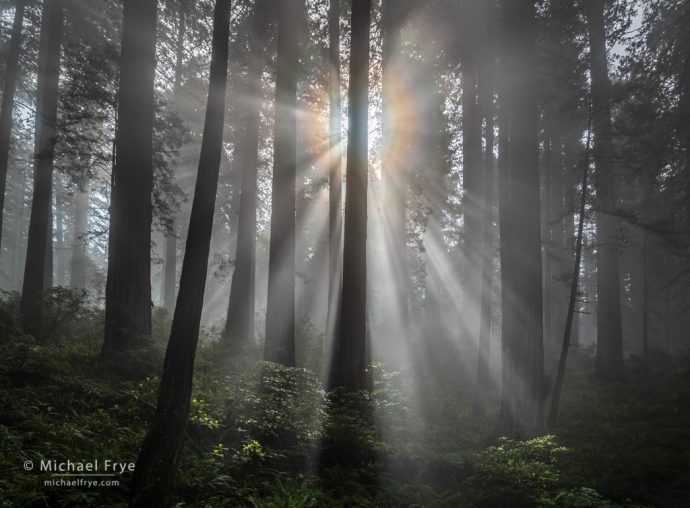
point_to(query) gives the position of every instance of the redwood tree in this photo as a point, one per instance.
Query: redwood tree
(609, 361)
(348, 366)
(160, 454)
(128, 286)
(40, 225)
(335, 173)
(7, 107)
(521, 267)
(280, 312)
(239, 326)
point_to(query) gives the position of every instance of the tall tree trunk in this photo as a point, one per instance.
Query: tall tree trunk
(472, 179)
(484, 379)
(40, 226)
(394, 170)
(169, 280)
(565, 346)
(128, 287)
(335, 174)
(523, 350)
(239, 325)
(609, 360)
(348, 366)
(280, 312)
(571, 153)
(60, 263)
(160, 454)
(78, 269)
(7, 107)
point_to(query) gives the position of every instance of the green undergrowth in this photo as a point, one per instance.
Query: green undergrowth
(269, 436)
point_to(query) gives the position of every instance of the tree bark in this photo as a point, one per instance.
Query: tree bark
(239, 325)
(280, 312)
(40, 227)
(160, 454)
(128, 287)
(609, 360)
(7, 107)
(348, 366)
(523, 353)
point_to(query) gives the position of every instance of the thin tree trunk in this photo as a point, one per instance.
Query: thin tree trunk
(7, 107)
(239, 325)
(335, 174)
(159, 458)
(349, 362)
(40, 227)
(60, 263)
(560, 373)
(472, 178)
(128, 287)
(78, 270)
(484, 379)
(169, 282)
(280, 312)
(609, 360)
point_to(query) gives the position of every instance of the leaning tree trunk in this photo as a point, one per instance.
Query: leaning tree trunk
(280, 312)
(523, 349)
(574, 281)
(239, 326)
(609, 360)
(128, 287)
(348, 366)
(40, 227)
(335, 175)
(159, 458)
(7, 107)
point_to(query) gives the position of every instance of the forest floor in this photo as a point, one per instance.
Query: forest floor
(289, 444)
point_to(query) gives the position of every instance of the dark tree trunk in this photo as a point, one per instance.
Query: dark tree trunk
(349, 362)
(40, 226)
(609, 361)
(78, 269)
(393, 167)
(159, 458)
(239, 326)
(280, 312)
(335, 175)
(169, 282)
(128, 287)
(523, 353)
(571, 152)
(11, 71)
(565, 346)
